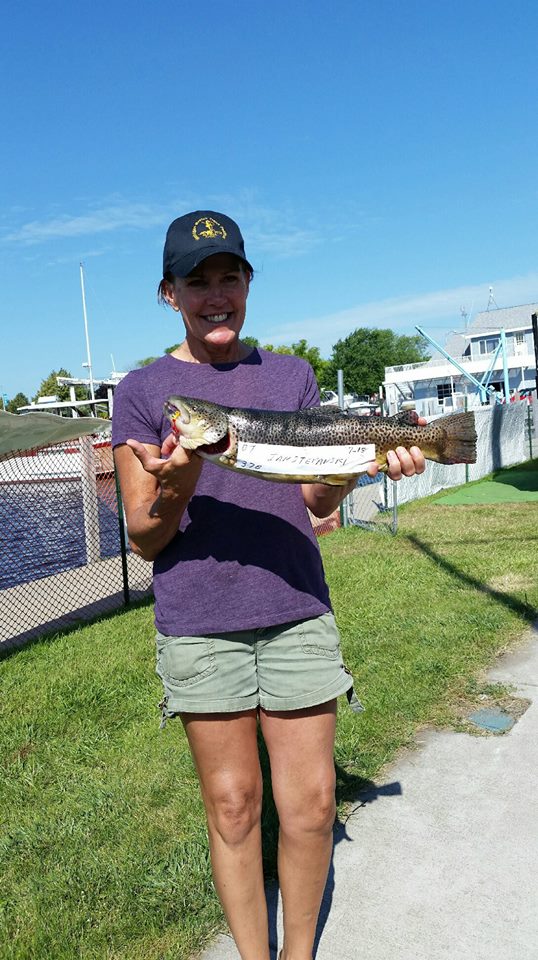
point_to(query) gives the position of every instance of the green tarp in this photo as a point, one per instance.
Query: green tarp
(31, 430)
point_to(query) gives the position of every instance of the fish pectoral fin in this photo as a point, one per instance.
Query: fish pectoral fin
(228, 459)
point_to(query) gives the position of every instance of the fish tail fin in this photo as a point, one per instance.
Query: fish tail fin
(459, 443)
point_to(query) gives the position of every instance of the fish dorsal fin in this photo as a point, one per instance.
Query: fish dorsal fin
(407, 418)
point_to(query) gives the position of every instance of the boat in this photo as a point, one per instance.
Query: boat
(56, 462)
(357, 403)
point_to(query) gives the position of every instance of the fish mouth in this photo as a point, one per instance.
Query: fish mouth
(174, 412)
(221, 446)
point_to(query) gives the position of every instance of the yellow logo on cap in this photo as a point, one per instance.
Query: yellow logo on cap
(211, 229)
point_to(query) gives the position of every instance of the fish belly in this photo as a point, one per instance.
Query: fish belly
(333, 480)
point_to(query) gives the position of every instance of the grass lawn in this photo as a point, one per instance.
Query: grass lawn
(102, 843)
(511, 485)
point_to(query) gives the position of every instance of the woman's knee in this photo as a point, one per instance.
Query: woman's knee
(312, 811)
(233, 812)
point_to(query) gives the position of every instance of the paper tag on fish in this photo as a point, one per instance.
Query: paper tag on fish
(304, 461)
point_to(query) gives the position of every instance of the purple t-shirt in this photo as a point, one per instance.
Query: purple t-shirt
(245, 555)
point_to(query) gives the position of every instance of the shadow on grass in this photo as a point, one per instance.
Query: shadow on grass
(520, 479)
(523, 610)
(38, 635)
(350, 789)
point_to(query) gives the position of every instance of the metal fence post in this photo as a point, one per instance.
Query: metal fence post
(344, 506)
(123, 541)
(465, 406)
(529, 429)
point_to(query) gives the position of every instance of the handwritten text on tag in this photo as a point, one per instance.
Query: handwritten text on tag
(273, 458)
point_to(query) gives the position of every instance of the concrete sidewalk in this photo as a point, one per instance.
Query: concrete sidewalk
(440, 861)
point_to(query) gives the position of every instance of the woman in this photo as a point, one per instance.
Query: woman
(245, 629)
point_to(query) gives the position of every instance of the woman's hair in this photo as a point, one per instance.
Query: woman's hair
(161, 297)
(169, 279)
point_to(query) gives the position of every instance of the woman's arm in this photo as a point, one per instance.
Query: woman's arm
(155, 491)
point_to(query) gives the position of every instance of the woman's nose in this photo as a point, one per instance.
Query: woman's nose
(216, 293)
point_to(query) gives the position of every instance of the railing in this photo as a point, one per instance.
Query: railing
(514, 356)
(402, 367)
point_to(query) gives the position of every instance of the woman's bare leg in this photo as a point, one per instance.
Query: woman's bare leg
(225, 751)
(300, 745)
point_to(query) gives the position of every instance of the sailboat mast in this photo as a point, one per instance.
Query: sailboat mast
(88, 354)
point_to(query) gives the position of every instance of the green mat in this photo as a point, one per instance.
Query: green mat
(508, 486)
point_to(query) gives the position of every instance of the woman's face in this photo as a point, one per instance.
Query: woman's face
(212, 301)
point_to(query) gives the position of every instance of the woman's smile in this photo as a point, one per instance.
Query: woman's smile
(217, 318)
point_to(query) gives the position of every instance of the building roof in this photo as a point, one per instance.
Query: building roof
(488, 321)
(503, 317)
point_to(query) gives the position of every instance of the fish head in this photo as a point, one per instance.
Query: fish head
(196, 423)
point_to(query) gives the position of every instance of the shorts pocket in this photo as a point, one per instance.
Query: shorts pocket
(320, 637)
(185, 660)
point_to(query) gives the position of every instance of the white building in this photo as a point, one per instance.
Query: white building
(439, 386)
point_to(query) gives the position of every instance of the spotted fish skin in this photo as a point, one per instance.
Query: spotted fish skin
(214, 431)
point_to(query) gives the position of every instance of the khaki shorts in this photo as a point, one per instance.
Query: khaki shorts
(287, 667)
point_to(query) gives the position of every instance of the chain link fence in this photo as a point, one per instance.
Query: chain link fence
(63, 551)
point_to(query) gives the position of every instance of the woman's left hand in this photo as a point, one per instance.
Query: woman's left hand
(402, 462)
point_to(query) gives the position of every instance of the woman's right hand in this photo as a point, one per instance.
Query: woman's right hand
(174, 469)
(156, 487)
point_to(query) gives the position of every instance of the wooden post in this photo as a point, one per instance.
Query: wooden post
(89, 500)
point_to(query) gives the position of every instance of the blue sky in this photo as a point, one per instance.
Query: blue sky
(380, 158)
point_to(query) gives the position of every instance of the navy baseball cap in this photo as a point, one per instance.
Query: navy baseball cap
(196, 236)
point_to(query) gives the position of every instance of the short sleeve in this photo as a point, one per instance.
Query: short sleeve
(132, 418)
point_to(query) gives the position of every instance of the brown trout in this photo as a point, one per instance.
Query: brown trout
(316, 445)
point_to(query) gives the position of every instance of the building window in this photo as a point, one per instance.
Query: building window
(489, 345)
(444, 390)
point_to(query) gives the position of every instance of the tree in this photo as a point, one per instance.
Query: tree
(146, 360)
(19, 400)
(50, 388)
(365, 353)
(299, 349)
(314, 358)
